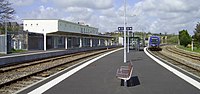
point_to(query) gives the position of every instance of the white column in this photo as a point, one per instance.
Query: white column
(91, 42)
(45, 41)
(55, 42)
(106, 42)
(65, 42)
(15, 46)
(99, 42)
(110, 42)
(20, 45)
(81, 43)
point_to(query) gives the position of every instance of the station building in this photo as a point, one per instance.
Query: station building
(60, 34)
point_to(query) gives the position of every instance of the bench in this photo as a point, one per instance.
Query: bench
(124, 72)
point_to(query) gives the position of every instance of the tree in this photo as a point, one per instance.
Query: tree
(6, 11)
(184, 38)
(197, 35)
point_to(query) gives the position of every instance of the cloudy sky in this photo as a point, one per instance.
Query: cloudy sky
(156, 16)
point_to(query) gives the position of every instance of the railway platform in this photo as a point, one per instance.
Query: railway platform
(98, 77)
(38, 54)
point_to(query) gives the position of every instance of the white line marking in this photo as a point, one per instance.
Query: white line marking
(176, 72)
(57, 80)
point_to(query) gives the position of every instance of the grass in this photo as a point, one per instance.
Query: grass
(14, 51)
(189, 49)
(17, 51)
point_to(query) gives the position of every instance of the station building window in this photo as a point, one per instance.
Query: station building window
(86, 42)
(82, 30)
(95, 42)
(55, 42)
(102, 42)
(73, 42)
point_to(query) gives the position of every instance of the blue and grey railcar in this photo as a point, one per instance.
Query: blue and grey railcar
(154, 43)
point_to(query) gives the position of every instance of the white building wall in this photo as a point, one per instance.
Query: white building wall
(50, 25)
(68, 27)
(76, 28)
(41, 26)
(45, 26)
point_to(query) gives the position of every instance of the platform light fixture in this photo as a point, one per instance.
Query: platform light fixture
(125, 31)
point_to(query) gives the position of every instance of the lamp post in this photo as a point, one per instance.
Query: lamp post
(5, 36)
(124, 31)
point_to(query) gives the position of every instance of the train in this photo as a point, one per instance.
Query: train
(154, 43)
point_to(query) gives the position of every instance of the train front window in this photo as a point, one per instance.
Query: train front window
(154, 41)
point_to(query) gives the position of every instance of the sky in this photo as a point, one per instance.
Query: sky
(156, 16)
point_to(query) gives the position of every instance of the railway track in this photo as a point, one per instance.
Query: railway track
(187, 58)
(172, 59)
(16, 77)
(183, 53)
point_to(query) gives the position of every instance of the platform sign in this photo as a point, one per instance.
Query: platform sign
(129, 28)
(120, 28)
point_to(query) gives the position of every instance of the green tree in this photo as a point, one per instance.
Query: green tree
(197, 35)
(184, 38)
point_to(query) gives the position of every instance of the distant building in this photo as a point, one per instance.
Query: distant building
(53, 25)
(60, 34)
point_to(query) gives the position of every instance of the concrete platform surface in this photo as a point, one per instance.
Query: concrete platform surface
(99, 78)
(37, 55)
